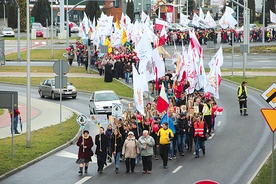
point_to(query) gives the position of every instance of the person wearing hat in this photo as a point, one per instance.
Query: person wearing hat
(85, 144)
(130, 151)
(242, 97)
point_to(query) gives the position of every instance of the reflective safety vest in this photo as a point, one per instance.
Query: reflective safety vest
(199, 129)
(241, 91)
(206, 110)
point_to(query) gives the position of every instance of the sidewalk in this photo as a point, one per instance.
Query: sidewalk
(43, 114)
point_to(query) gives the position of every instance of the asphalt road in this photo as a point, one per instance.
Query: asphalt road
(239, 146)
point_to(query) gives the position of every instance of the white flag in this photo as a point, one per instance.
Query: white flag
(195, 20)
(138, 90)
(227, 20)
(201, 14)
(184, 20)
(272, 17)
(209, 21)
(159, 63)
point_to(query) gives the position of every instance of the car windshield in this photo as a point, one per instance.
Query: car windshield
(7, 29)
(53, 83)
(105, 97)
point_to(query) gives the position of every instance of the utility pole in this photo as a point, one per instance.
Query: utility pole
(263, 27)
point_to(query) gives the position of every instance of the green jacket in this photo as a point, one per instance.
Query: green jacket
(149, 146)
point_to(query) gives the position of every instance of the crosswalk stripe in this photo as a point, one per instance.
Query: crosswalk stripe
(83, 180)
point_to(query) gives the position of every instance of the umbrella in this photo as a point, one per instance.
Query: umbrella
(20, 121)
(161, 50)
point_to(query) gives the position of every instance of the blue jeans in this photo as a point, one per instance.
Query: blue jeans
(181, 142)
(173, 147)
(199, 143)
(117, 159)
(127, 77)
(15, 124)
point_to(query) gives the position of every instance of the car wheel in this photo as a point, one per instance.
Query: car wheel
(53, 96)
(74, 97)
(41, 94)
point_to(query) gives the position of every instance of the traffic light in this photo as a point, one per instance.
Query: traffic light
(116, 3)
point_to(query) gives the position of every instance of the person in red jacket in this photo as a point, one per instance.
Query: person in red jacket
(85, 144)
(15, 120)
(200, 130)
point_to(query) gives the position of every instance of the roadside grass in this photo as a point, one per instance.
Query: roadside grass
(258, 82)
(42, 141)
(262, 83)
(43, 69)
(253, 49)
(82, 84)
(1, 111)
(38, 54)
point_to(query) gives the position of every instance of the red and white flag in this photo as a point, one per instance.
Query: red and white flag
(159, 24)
(162, 38)
(195, 20)
(162, 102)
(210, 22)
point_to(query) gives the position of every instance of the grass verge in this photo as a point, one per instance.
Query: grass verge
(253, 49)
(42, 141)
(82, 84)
(42, 69)
(262, 83)
(38, 55)
(258, 82)
(1, 111)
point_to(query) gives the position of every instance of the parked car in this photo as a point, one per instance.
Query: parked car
(39, 32)
(47, 88)
(36, 25)
(101, 101)
(7, 31)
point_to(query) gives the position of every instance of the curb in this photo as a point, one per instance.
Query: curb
(32, 162)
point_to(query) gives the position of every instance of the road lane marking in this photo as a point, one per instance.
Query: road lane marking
(177, 169)
(83, 180)
(219, 123)
(66, 154)
(213, 134)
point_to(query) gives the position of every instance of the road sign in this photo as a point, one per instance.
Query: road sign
(206, 182)
(82, 119)
(270, 95)
(31, 19)
(117, 110)
(6, 99)
(269, 115)
(60, 82)
(61, 66)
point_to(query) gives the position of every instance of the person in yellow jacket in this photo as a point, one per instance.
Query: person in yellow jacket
(165, 134)
(207, 114)
(242, 96)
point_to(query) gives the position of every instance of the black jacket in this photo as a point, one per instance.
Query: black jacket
(101, 144)
(119, 142)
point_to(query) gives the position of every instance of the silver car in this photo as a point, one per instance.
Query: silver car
(47, 88)
(7, 31)
(101, 102)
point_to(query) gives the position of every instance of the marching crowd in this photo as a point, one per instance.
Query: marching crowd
(181, 129)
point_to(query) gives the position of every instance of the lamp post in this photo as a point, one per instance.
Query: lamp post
(52, 26)
(263, 27)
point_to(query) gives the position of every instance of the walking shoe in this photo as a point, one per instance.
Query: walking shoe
(116, 170)
(203, 152)
(85, 171)
(245, 114)
(144, 172)
(165, 167)
(182, 154)
(196, 156)
(170, 158)
(174, 157)
(148, 172)
(80, 172)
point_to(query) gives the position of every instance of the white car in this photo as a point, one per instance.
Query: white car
(7, 31)
(101, 101)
